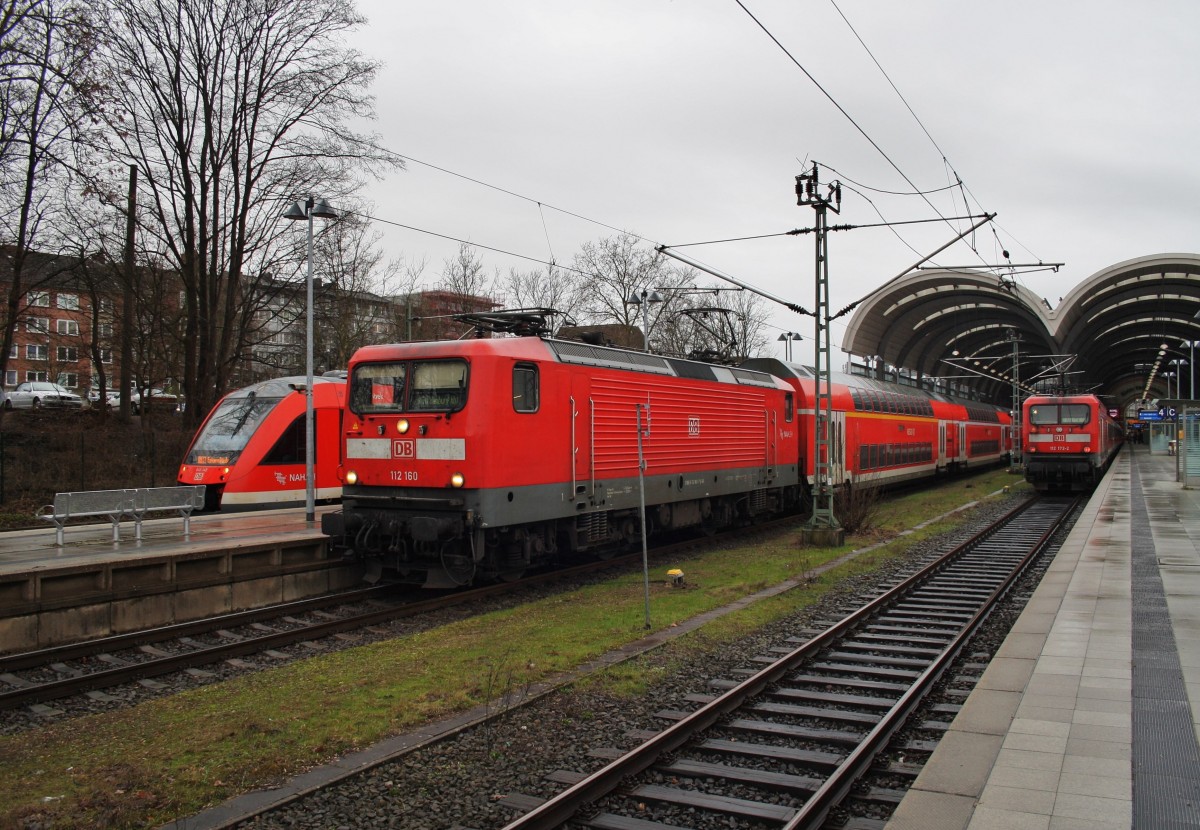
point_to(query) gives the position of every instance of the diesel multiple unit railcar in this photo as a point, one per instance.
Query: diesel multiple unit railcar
(250, 453)
(1068, 441)
(477, 459)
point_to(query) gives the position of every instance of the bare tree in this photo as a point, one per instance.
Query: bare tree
(555, 287)
(355, 306)
(44, 49)
(715, 323)
(231, 109)
(621, 267)
(463, 274)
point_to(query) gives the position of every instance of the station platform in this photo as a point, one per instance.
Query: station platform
(1089, 714)
(94, 586)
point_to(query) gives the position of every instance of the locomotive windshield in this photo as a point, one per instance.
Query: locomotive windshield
(409, 386)
(229, 429)
(1074, 414)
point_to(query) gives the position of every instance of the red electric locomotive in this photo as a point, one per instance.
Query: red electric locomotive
(250, 453)
(478, 459)
(1068, 441)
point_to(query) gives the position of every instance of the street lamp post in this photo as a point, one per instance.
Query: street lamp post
(787, 337)
(300, 211)
(1178, 363)
(644, 298)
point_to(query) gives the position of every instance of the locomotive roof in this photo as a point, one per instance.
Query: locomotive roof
(783, 369)
(574, 352)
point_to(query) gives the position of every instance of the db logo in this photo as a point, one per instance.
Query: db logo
(693, 426)
(404, 448)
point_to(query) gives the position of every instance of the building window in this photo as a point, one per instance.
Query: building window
(14, 352)
(68, 354)
(10, 377)
(35, 352)
(38, 298)
(37, 376)
(106, 355)
(68, 379)
(38, 324)
(68, 326)
(106, 330)
(70, 302)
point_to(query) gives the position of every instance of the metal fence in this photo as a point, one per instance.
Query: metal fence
(37, 463)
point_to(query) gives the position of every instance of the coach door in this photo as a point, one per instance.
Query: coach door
(941, 451)
(837, 448)
(583, 432)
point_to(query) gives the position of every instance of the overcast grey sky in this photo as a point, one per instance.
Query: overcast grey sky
(681, 121)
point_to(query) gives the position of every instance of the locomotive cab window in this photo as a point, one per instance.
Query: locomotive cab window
(1075, 414)
(525, 387)
(409, 386)
(789, 407)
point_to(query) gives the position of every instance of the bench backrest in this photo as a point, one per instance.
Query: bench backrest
(93, 502)
(189, 496)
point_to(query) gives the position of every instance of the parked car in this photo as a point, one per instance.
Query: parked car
(36, 394)
(157, 399)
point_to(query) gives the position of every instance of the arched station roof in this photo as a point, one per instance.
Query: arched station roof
(1115, 333)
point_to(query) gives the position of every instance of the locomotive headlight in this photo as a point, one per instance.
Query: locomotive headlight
(457, 480)
(1087, 449)
(351, 477)
(402, 426)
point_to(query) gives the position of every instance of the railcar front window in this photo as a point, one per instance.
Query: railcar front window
(229, 429)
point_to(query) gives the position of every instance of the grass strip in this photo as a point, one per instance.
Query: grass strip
(173, 756)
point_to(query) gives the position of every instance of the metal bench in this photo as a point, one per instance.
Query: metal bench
(133, 503)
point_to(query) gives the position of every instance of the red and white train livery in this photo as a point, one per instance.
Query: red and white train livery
(1068, 441)
(477, 459)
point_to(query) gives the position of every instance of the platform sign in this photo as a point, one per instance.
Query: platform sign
(1149, 415)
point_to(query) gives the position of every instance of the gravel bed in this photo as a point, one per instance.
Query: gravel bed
(462, 782)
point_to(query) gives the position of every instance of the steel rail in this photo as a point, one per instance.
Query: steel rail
(557, 810)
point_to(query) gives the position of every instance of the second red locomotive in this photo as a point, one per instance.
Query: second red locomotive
(1068, 441)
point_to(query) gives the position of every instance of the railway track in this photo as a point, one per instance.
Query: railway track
(34, 678)
(783, 747)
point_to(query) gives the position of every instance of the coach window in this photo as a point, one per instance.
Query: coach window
(789, 407)
(525, 387)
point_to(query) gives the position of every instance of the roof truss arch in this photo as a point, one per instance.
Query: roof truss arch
(1116, 320)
